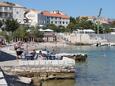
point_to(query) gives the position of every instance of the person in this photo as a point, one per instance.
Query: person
(33, 54)
(15, 47)
(18, 52)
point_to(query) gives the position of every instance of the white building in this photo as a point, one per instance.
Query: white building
(31, 16)
(56, 17)
(85, 31)
(113, 31)
(10, 10)
(6, 10)
(18, 13)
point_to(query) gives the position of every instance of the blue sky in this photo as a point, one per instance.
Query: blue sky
(72, 7)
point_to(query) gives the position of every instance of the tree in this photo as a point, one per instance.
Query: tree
(21, 32)
(71, 26)
(36, 33)
(80, 23)
(61, 28)
(106, 28)
(84, 23)
(112, 24)
(1, 23)
(11, 25)
(73, 20)
(53, 27)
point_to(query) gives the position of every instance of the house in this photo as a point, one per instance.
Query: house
(55, 17)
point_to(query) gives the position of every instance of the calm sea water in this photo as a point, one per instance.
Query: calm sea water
(98, 70)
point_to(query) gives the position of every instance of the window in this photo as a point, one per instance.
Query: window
(55, 22)
(17, 12)
(56, 18)
(66, 22)
(51, 22)
(6, 8)
(47, 21)
(51, 17)
(63, 22)
(47, 17)
(0, 8)
(10, 8)
(6, 15)
(60, 22)
(0, 14)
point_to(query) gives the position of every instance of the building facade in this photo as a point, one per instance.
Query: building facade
(6, 10)
(31, 15)
(55, 17)
(18, 13)
(12, 11)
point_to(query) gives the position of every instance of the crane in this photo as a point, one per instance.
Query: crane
(98, 22)
(99, 12)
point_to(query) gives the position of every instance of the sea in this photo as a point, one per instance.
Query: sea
(98, 70)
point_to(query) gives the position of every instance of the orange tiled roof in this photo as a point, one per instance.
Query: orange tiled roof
(46, 13)
(4, 4)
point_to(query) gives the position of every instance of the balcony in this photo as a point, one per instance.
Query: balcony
(6, 11)
(9, 10)
(5, 15)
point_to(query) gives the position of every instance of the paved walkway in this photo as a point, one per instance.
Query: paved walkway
(9, 63)
(2, 79)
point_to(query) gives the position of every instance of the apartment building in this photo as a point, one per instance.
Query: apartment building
(10, 10)
(6, 10)
(55, 17)
(18, 13)
(32, 17)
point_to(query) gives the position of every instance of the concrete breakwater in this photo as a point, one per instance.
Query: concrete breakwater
(38, 70)
(39, 77)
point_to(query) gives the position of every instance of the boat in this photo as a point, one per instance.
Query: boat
(78, 57)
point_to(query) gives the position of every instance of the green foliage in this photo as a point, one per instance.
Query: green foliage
(106, 28)
(71, 26)
(1, 23)
(6, 36)
(80, 23)
(61, 29)
(36, 33)
(11, 25)
(84, 23)
(73, 20)
(53, 27)
(21, 32)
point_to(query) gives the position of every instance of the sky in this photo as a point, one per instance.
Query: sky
(73, 8)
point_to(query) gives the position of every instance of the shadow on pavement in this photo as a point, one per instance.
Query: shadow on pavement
(12, 80)
(6, 57)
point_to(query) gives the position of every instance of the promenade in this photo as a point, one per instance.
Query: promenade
(2, 79)
(40, 69)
